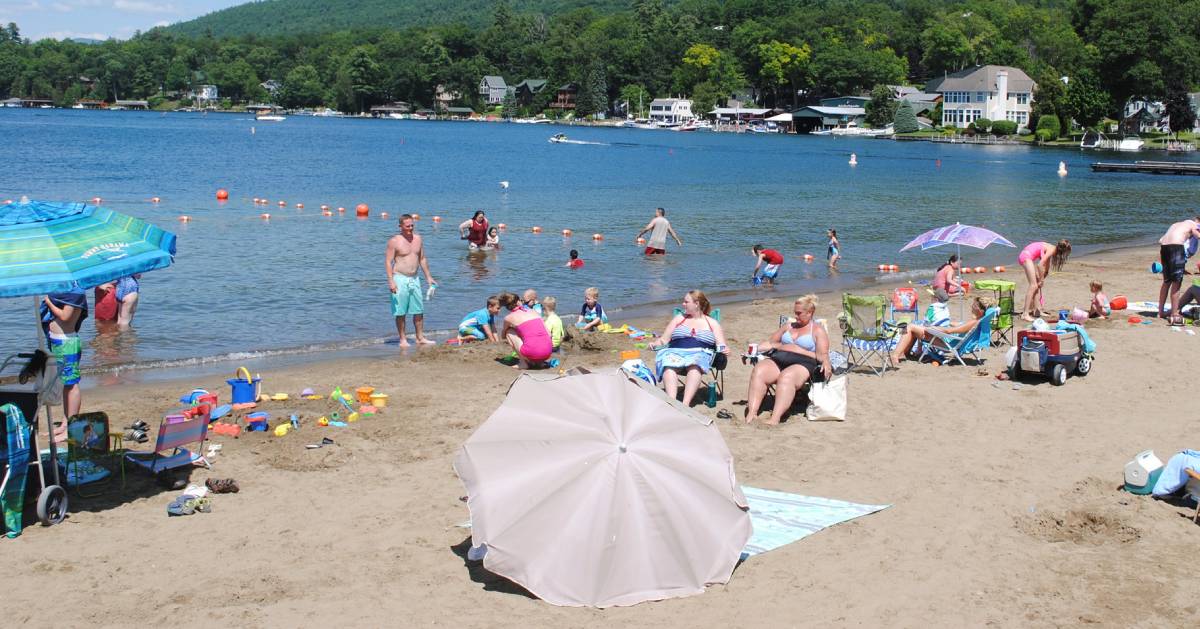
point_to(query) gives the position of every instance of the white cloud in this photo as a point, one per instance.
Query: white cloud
(62, 7)
(144, 6)
(74, 35)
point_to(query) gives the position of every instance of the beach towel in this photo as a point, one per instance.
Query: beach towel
(12, 501)
(780, 518)
(1089, 345)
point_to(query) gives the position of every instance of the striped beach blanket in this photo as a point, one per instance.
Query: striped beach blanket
(780, 518)
(12, 499)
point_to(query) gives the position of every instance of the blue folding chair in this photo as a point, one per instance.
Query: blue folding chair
(949, 347)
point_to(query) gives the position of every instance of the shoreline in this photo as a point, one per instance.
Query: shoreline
(645, 316)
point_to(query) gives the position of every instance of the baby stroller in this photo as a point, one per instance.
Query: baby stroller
(27, 384)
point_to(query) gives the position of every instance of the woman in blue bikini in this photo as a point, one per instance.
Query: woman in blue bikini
(796, 353)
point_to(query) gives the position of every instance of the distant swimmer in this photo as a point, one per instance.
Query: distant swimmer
(659, 228)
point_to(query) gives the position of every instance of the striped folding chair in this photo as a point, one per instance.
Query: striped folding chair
(174, 432)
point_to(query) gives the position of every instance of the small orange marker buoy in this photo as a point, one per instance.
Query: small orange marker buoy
(326, 213)
(967, 270)
(980, 269)
(324, 207)
(283, 204)
(362, 210)
(893, 267)
(641, 241)
(222, 195)
(597, 236)
(882, 267)
(299, 206)
(155, 199)
(255, 200)
(265, 216)
(502, 226)
(438, 219)
(341, 210)
(808, 257)
(383, 215)
(416, 217)
(567, 233)
(537, 230)
(97, 200)
(8, 202)
(1000, 269)
(184, 218)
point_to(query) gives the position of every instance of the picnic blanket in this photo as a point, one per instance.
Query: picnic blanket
(780, 518)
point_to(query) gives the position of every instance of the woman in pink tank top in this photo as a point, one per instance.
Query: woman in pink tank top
(526, 332)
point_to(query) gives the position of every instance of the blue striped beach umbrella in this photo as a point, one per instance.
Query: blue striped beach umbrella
(48, 247)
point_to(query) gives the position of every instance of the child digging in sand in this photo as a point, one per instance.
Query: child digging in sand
(1099, 307)
(592, 313)
(481, 324)
(553, 323)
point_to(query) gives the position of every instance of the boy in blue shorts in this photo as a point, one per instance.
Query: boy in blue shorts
(62, 315)
(481, 324)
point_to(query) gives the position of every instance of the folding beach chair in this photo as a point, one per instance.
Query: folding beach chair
(88, 441)
(174, 432)
(956, 346)
(905, 307)
(716, 375)
(865, 338)
(1005, 298)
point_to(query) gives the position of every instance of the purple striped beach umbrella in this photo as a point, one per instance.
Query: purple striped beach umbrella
(960, 235)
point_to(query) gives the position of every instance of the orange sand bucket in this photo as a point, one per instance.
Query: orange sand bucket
(630, 354)
(379, 400)
(364, 394)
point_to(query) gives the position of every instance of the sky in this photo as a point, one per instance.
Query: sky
(101, 19)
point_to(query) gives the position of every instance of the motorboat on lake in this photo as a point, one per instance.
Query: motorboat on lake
(558, 138)
(1098, 141)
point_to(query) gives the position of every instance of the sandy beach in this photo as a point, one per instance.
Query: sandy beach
(1005, 509)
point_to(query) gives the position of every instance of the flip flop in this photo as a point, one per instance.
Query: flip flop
(724, 414)
(203, 505)
(138, 425)
(183, 505)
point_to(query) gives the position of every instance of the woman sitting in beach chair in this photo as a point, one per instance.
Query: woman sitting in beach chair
(914, 333)
(795, 354)
(689, 344)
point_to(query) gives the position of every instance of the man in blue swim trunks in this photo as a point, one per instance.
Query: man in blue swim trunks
(62, 315)
(406, 254)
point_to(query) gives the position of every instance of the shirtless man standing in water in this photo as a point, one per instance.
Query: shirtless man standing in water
(405, 253)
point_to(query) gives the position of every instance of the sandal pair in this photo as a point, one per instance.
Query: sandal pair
(187, 504)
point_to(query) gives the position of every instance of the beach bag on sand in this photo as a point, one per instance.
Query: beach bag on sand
(827, 400)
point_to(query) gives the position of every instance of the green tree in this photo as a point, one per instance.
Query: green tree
(1085, 101)
(706, 96)
(881, 109)
(634, 95)
(783, 64)
(358, 79)
(1179, 108)
(1049, 126)
(302, 88)
(509, 107)
(905, 120)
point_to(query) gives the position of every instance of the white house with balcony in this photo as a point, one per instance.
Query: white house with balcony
(492, 89)
(992, 92)
(670, 110)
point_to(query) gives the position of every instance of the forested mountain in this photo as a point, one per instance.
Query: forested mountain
(1087, 56)
(292, 17)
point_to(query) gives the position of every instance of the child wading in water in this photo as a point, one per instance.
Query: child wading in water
(835, 247)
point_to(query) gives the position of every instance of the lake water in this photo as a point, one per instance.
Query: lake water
(301, 282)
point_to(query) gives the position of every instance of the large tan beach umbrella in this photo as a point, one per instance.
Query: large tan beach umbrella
(596, 489)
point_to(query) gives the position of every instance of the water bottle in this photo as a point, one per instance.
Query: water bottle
(432, 289)
(712, 396)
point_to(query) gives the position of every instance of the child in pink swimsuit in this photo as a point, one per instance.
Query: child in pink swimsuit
(1032, 251)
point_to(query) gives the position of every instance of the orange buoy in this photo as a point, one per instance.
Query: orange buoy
(967, 270)
(184, 218)
(222, 195)
(882, 267)
(893, 267)
(96, 200)
(324, 207)
(641, 241)
(537, 230)
(265, 216)
(1000, 269)
(299, 206)
(341, 210)
(362, 210)
(980, 269)
(383, 215)
(567, 233)
(416, 217)
(808, 257)
(437, 219)
(597, 236)
(326, 213)
(8, 202)
(255, 201)
(155, 199)
(502, 226)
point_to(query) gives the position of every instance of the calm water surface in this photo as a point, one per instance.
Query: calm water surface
(302, 282)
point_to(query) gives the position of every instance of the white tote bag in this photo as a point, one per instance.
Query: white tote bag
(827, 400)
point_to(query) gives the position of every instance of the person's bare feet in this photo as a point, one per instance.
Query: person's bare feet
(404, 342)
(424, 341)
(770, 422)
(1027, 318)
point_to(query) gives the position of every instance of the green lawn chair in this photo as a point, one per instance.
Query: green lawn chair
(1004, 293)
(865, 338)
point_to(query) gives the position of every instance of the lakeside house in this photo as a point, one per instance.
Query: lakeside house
(443, 98)
(845, 101)
(397, 108)
(826, 117)
(670, 110)
(527, 89)
(564, 98)
(131, 104)
(922, 102)
(738, 114)
(992, 92)
(492, 89)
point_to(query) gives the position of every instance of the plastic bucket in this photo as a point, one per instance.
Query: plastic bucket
(364, 394)
(244, 389)
(379, 400)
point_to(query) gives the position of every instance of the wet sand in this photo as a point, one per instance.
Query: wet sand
(1006, 510)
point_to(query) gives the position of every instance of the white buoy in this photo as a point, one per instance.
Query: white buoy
(504, 185)
(1062, 169)
(853, 159)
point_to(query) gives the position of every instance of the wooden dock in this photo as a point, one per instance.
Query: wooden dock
(1148, 168)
